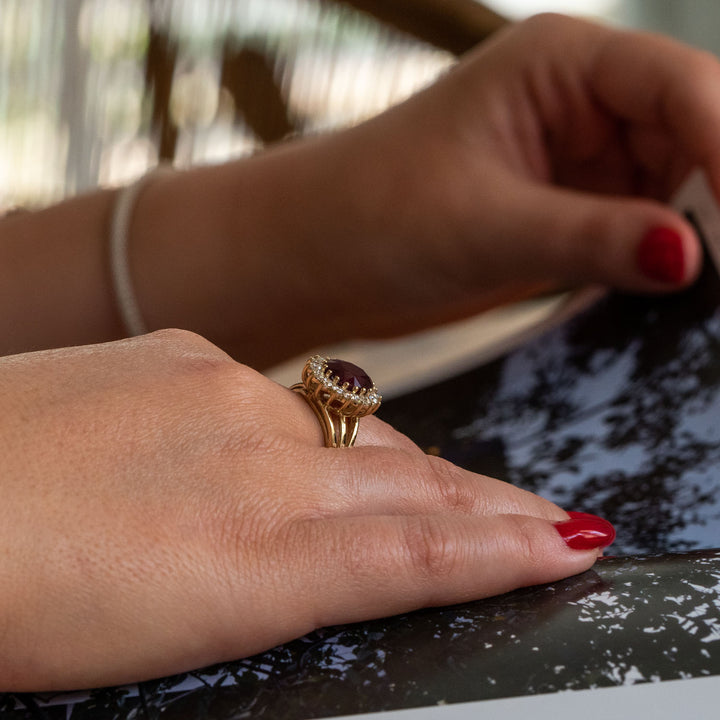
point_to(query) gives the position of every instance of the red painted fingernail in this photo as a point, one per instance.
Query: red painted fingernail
(586, 532)
(660, 255)
(577, 515)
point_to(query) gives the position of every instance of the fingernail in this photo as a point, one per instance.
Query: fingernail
(660, 255)
(576, 515)
(586, 532)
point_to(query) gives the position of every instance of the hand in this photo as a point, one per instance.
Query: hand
(165, 508)
(544, 157)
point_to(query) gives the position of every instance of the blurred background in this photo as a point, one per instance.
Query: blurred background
(96, 91)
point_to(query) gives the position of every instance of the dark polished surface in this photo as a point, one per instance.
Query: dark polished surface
(616, 412)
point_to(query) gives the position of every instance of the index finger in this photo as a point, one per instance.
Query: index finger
(652, 79)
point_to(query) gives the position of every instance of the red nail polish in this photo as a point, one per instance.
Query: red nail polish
(660, 255)
(574, 515)
(586, 532)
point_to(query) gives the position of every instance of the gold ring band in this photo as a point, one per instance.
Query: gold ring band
(339, 393)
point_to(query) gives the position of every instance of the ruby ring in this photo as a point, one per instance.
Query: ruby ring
(340, 393)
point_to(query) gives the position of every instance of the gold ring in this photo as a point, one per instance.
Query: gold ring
(340, 393)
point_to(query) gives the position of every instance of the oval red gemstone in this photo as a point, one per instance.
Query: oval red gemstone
(348, 373)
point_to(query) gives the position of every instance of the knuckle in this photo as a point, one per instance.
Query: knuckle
(525, 541)
(178, 338)
(450, 485)
(538, 26)
(227, 402)
(702, 67)
(186, 350)
(432, 551)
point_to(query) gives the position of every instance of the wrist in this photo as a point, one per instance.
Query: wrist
(237, 252)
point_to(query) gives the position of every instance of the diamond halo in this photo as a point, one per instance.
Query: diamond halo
(324, 378)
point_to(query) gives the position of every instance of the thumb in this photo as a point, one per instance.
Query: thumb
(631, 244)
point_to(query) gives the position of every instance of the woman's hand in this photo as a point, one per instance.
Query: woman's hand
(165, 508)
(545, 156)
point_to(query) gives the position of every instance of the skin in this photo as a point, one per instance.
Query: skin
(166, 507)
(218, 526)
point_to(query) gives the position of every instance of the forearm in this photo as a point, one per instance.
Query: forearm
(206, 252)
(54, 276)
(254, 254)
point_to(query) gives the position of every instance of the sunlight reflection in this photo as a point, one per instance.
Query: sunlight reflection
(78, 106)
